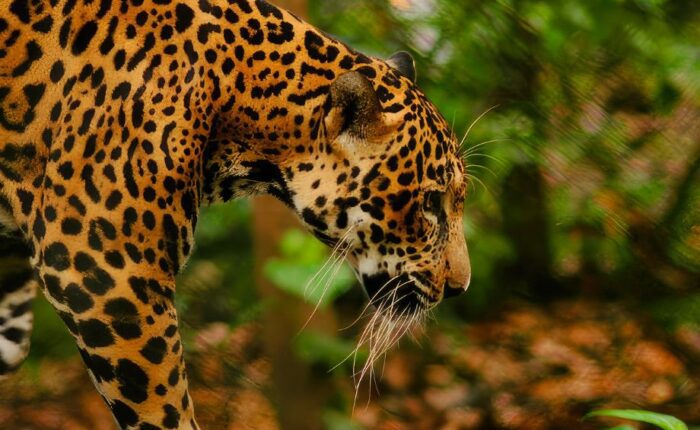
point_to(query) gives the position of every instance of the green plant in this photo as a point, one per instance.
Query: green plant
(665, 422)
(329, 351)
(306, 271)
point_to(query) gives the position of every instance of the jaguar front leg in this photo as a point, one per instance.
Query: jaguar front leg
(106, 259)
(125, 324)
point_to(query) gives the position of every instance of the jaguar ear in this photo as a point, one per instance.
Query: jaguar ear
(354, 107)
(404, 63)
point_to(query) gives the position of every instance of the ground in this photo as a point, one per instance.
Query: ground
(525, 368)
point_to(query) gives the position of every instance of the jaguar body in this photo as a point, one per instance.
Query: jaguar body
(120, 119)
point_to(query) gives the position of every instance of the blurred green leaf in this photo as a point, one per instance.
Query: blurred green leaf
(666, 422)
(339, 421)
(328, 350)
(302, 247)
(51, 337)
(306, 271)
(674, 312)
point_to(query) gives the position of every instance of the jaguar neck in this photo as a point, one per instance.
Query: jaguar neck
(271, 75)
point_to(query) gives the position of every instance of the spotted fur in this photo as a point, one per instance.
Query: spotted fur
(119, 119)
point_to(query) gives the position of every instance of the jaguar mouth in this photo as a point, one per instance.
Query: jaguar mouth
(396, 296)
(401, 307)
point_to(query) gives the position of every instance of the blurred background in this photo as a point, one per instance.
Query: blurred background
(583, 223)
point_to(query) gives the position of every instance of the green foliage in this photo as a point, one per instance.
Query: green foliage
(306, 271)
(674, 312)
(220, 268)
(329, 351)
(339, 421)
(665, 422)
(51, 338)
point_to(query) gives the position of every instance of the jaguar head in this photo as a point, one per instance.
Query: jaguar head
(384, 184)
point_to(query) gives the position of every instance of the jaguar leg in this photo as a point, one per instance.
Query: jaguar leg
(109, 239)
(126, 328)
(17, 289)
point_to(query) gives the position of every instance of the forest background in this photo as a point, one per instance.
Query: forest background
(583, 223)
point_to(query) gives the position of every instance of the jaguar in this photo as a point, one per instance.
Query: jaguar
(119, 120)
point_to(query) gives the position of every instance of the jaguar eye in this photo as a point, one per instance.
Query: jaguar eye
(433, 202)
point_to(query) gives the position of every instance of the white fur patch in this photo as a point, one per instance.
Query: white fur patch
(12, 354)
